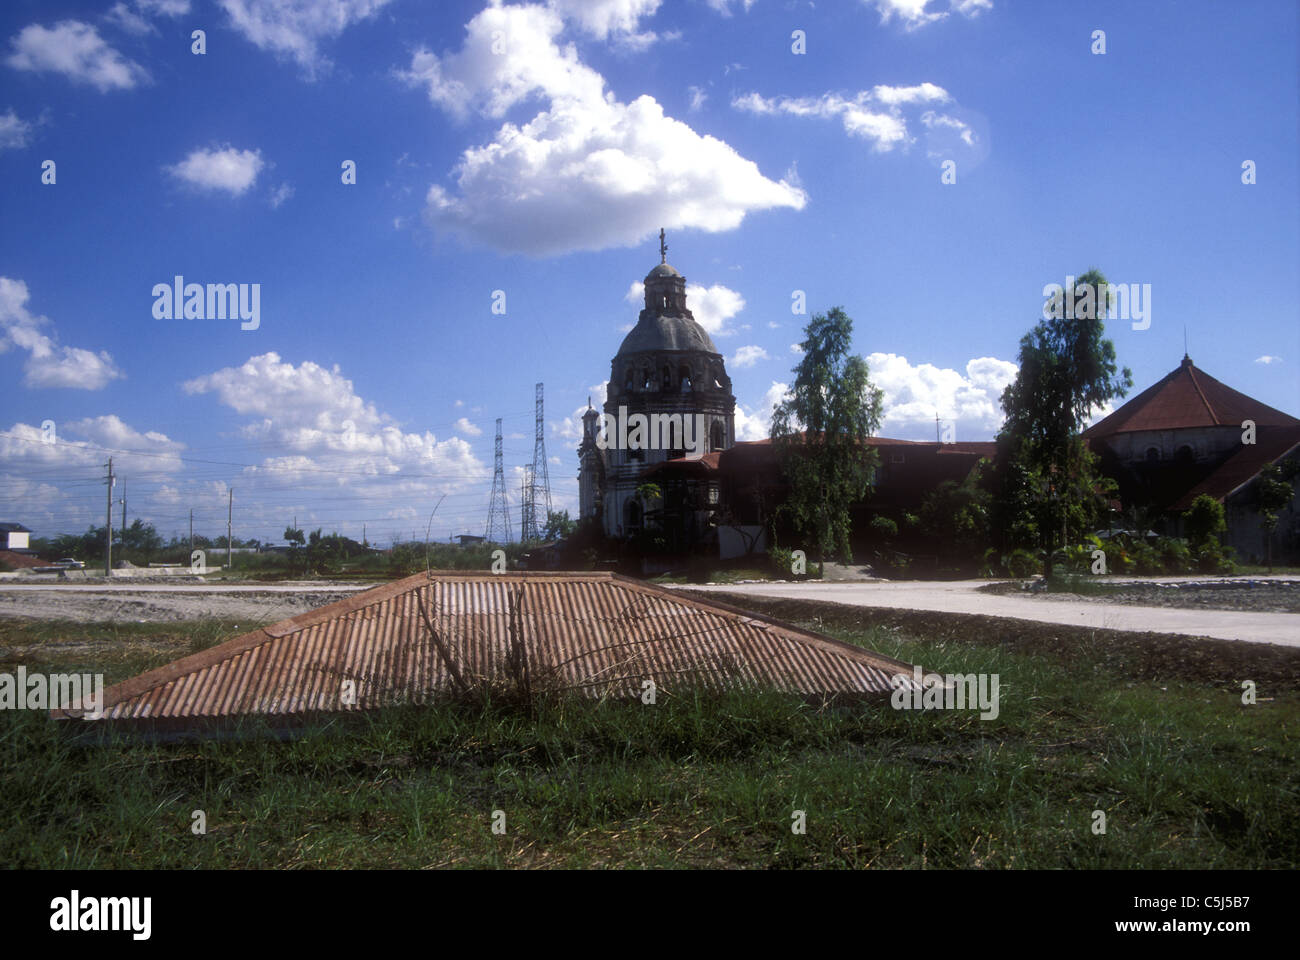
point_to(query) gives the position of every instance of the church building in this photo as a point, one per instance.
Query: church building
(667, 367)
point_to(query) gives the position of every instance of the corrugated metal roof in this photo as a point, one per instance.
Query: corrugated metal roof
(430, 634)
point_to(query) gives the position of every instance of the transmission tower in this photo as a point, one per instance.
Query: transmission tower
(527, 516)
(498, 522)
(539, 486)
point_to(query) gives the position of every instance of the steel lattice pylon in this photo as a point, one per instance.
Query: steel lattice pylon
(537, 505)
(498, 522)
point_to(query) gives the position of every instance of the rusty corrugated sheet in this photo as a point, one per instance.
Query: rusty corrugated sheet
(596, 634)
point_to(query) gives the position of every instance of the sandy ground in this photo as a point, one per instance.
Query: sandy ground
(169, 603)
(965, 596)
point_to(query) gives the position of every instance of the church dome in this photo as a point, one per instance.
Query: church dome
(662, 270)
(655, 333)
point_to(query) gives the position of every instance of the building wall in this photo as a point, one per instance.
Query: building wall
(1208, 443)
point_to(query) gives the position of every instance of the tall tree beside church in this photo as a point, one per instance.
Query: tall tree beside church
(1045, 475)
(820, 432)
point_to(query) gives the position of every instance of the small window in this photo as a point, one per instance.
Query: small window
(1185, 454)
(896, 456)
(1153, 455)
(717, 437)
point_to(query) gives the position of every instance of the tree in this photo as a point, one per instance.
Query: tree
(1067, 370)
(1273, 491)
(294, 535)
(558, 526)
(1203, 521)
(955, 516)
(820, 432)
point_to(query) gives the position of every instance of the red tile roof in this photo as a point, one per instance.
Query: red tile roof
(1188, 397)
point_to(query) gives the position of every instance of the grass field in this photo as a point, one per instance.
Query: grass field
(1186, 775)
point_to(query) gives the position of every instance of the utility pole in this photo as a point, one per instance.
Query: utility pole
(230, 513)
(124, 520)
(108, 523)
(191, 530)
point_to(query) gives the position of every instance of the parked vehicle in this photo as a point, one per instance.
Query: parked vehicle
(70, 563)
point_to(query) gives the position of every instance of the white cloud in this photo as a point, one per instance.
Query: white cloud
(220, 169)
(281, 194)
(914, 394)
(570, 428)
(86, 442)
(124, 18)
(534, 188)
(1266, 359)
(796, 349)
(748, 356)
(874, 115)
(77, 51)
(325, 429)
(698, 96)
(296, 28)
(724, 6)
(48, 364)
(467, 428)
(13, 131)
(711, 306)
(755, 423)
(914, 14)
(600, 18)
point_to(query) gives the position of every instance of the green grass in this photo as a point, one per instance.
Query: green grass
(1187, 776)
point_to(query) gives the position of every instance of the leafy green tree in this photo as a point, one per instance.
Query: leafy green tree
(1273, 491)
(558, 525)
(1203, 522)
(956, 516)
(294, 535)
(1067, 370)
(820, 432)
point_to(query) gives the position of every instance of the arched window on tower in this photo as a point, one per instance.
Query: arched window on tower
(627, 379)
(684, 376)
(667, 377)
(645, 379)
(632, 515)
(717, 437)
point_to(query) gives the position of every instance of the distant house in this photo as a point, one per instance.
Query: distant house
(14, 536)
(1187, 435)
(468, 539)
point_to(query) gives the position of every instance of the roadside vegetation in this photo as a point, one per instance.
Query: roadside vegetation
(1186, 774)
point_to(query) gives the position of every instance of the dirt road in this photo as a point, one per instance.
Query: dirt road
(168, 603)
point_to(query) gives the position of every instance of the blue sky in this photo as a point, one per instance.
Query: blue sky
(536, 149)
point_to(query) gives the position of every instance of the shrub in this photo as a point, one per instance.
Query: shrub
(1022, 563)
(781, 561)
(1213, 557)
(1174, 555)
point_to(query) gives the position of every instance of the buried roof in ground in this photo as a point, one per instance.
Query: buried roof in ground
(442, 633)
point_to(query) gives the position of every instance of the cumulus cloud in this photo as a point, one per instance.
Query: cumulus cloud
(755, 422)
(223, 168)
(915, 393)
(14, 132)
(603, 18)
(1267, 359)
(711, 306)
(467, 428)
(698, 96)
(747, 356)
(296, 28)
(326, 431)
(534, 187)
(85, 442)
(75, 50)
(914, 14)
(724, 6)
(48, 363)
